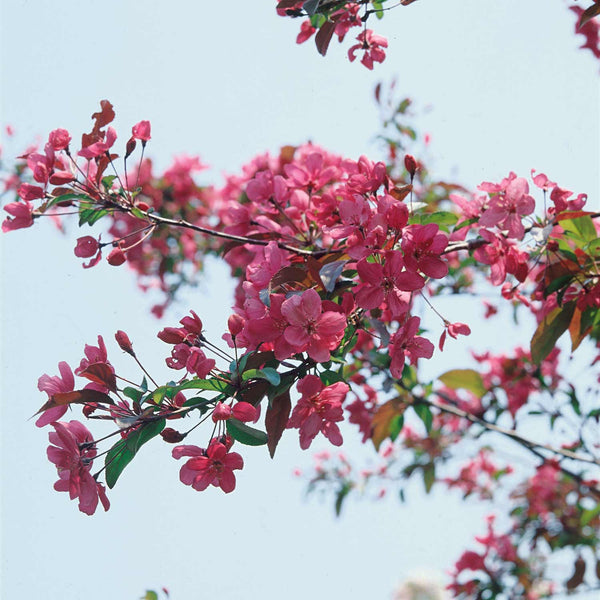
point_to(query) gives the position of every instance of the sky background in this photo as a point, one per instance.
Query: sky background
(502, 86)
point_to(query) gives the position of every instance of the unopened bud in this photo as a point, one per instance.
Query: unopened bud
(171, 436)
(124, 342)
(410, 164)
(116, 257)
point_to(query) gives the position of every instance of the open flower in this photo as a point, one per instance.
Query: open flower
(73, 451)
(318, 410)
(372, 45)
(55, 385)
(213, 466)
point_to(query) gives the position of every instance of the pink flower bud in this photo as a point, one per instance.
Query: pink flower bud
(141, 131)
(124, 342)
(86, 247)
(410, 164)
(59, 139)
(222, 412)
(235, 323)
(116, 257)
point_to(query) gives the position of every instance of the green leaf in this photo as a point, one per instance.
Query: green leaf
(428, 476)
(441, 218)
(268, 373)
(122, 453)
(329, 377)
(214, 385)
(150, 595)
(549, 330)
(589, 514)
(341, 496)
(244, 434)
(466, 379)
(65, 197)
(107, 181)
(133, 393)
(395, 426)
(424, 413)
(89, 213)
(557, 284)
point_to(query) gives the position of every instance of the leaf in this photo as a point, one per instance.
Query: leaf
(215, 385)
(330, 272)
(133, 393)
(401, 192)
(382, 421)
(442, 218)
(268, 373)
(101, 373)
(589, 13)
(245, 434)
(576, 331)
(150, 595)
(466, 379)
(76, 397)
(278, 414)
(122, 453)
(311, 6)
(424, 413)
(324, 36)
(553, 325)
(329, 377)
(578, 574)
(396, 424)
(341, 496)
(428, 476)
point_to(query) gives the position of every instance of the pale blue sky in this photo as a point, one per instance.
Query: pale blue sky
(508, 90)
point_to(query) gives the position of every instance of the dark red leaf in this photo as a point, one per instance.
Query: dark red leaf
(101, 373)
(324, 36)
(76, 397)
(276, 420)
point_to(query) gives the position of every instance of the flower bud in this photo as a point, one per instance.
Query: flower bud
(124, 342)
(235, 324)
(410, 164)
(86, 247)
(171, 436)
(116, 257)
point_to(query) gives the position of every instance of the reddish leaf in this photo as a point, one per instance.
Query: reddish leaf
(324, 36)
(382, 420)
(578, 575)
(287, 275)
(259, 359)
(76, 397)
(105, 116)
(589, 13)
(255, 391)
(276, 420)
(101, 373)
(576, 332)
(401, 192)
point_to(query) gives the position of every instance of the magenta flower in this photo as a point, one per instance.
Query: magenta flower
(310, 329)
(508, 207)
(55, 385)
(318, 410)
(59, 139)
(386, 282)
(88, 247)
(214, 466)
(141, 131)
(22, 216)
(73, 451)
(242, 411)
(406, 341)
(372, 45)
(422, 246)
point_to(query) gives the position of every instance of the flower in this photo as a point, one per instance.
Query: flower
(310, 329)
(55, 385)
(59, 139)
(141, 131)
(214, 466)
(72, 450)
(242, 411)
(405, 341)
(372, 45)
(318, 410)
(22, 216)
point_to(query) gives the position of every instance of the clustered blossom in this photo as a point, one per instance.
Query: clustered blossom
(72, 450)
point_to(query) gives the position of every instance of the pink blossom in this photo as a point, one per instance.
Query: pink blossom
(306, 32)
(454, 330)
(386, 282)
(422, 246)
(72, 450)
(508, 207)
(59, 139)
(310, 329)
(100, 147)
(116, 257)
(141, 131)
(213, 466)
(55, 385)
(30, 192)
(405, 341)
(242, 411)
(86, 247)
(22, 216)
(372, 45)
(318, 410)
